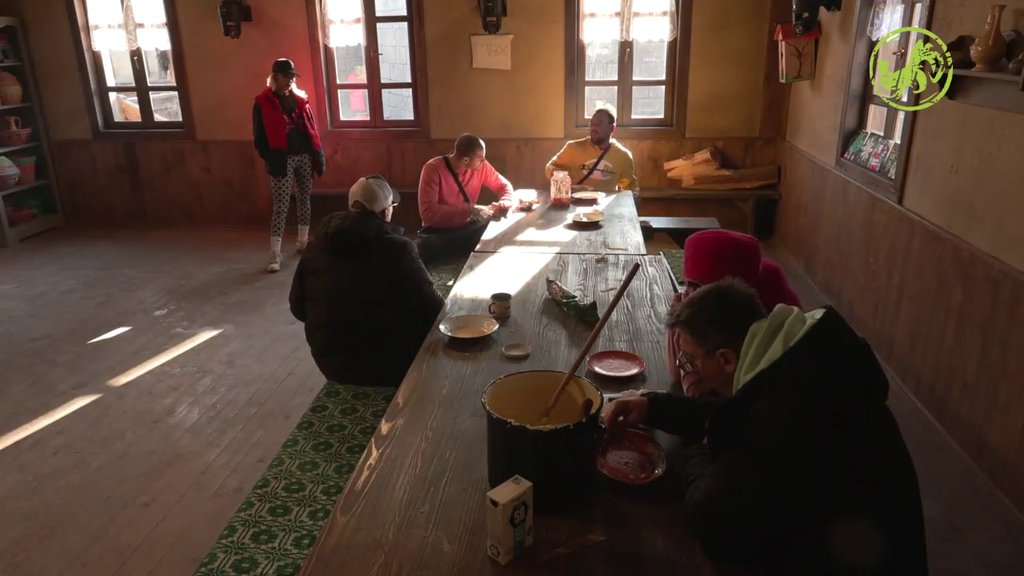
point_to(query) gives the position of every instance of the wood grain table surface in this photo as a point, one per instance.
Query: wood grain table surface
(416, 502)
(550, 230)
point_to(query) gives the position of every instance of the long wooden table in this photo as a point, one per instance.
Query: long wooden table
(416, 502)
(551, 230)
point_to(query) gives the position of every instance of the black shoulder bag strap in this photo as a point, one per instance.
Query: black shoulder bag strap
(592, 168)
(458, 182)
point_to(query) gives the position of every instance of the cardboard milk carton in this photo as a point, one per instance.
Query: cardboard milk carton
(510, 519)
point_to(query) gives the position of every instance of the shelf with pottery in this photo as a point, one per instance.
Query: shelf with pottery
(23, 187)
(8, 149)
(30, 199)
(998, 90)
(987, 69)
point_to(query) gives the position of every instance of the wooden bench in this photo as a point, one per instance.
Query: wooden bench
(680, 227)
(751, 211)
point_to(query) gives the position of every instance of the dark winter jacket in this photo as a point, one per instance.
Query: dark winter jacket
(270, 126)
(365, 298)
(804, 470)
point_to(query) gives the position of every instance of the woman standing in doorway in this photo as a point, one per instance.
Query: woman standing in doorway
(285, 135)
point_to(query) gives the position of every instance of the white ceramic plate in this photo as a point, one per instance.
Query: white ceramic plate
(588, 196)
(470, 326)
(588, 217)
(516, 351)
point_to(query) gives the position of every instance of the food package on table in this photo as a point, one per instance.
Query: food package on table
(571, 303)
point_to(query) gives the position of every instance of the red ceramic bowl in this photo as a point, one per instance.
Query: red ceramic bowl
(633, 458)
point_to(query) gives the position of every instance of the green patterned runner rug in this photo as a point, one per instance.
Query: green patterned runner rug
(675, 264)
(277, 525)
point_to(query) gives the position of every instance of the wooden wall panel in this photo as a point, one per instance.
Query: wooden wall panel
(95, 182)
(945, 316)
(223, 182)
(200, 182)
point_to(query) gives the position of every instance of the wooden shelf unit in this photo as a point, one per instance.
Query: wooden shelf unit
(41, 193)
(998, 90)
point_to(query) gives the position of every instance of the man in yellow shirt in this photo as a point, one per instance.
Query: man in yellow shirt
(599, 161)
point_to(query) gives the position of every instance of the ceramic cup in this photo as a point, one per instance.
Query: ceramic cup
(500, 306)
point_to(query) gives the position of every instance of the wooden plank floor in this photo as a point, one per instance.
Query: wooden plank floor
(141, 479)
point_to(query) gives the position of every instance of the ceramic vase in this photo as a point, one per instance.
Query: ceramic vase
(10, 89)
(990, 47)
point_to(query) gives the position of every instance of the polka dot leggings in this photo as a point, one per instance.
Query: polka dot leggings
(300, 175)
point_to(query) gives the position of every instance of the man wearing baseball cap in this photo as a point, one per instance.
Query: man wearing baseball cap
(362, 291)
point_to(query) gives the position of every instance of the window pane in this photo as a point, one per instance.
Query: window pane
(343, 22)
(398, 104)
(650, 60)
(886, 66)
(389, 7)
(352, 104)
(598, 96)
(393, 46)
(602, 60)
(166, 106)
(876, 119)
(648, 102)
(125, 107)
(117, 67)
(601, 20)
(159, 70)
(898, 130)
(106, 25)
(887, 60)
(350, 63)
(919, 14)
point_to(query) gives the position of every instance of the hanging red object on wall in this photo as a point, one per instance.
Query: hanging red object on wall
(797, 53)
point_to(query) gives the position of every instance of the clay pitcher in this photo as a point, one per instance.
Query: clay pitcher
(990, 47)
(13, 123)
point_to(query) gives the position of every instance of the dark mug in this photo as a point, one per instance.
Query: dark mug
(500, 306)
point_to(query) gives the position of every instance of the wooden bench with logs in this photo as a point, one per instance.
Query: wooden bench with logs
(742, 199)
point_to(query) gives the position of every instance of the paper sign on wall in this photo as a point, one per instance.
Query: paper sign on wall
(492, 51)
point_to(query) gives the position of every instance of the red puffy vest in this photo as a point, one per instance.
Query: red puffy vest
(275, 122)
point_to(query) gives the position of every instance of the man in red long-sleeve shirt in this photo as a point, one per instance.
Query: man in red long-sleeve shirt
(449, 189)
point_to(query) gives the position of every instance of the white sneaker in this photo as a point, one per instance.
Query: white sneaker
(275, 262)
(275, 255)
(300, 246)
(302, 240)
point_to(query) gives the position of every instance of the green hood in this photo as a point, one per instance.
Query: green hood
(768, 339)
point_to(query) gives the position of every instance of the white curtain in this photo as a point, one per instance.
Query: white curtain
(150, 24)
(625, 20)
(106, 25)
(135, 24)
(886, 16)
(343, 23)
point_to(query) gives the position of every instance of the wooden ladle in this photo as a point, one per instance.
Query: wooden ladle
(590, 342)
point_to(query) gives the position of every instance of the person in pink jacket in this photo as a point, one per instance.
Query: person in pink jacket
(449, 188)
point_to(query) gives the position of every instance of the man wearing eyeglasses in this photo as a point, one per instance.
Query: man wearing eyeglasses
(797, 465)
(360, 288)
